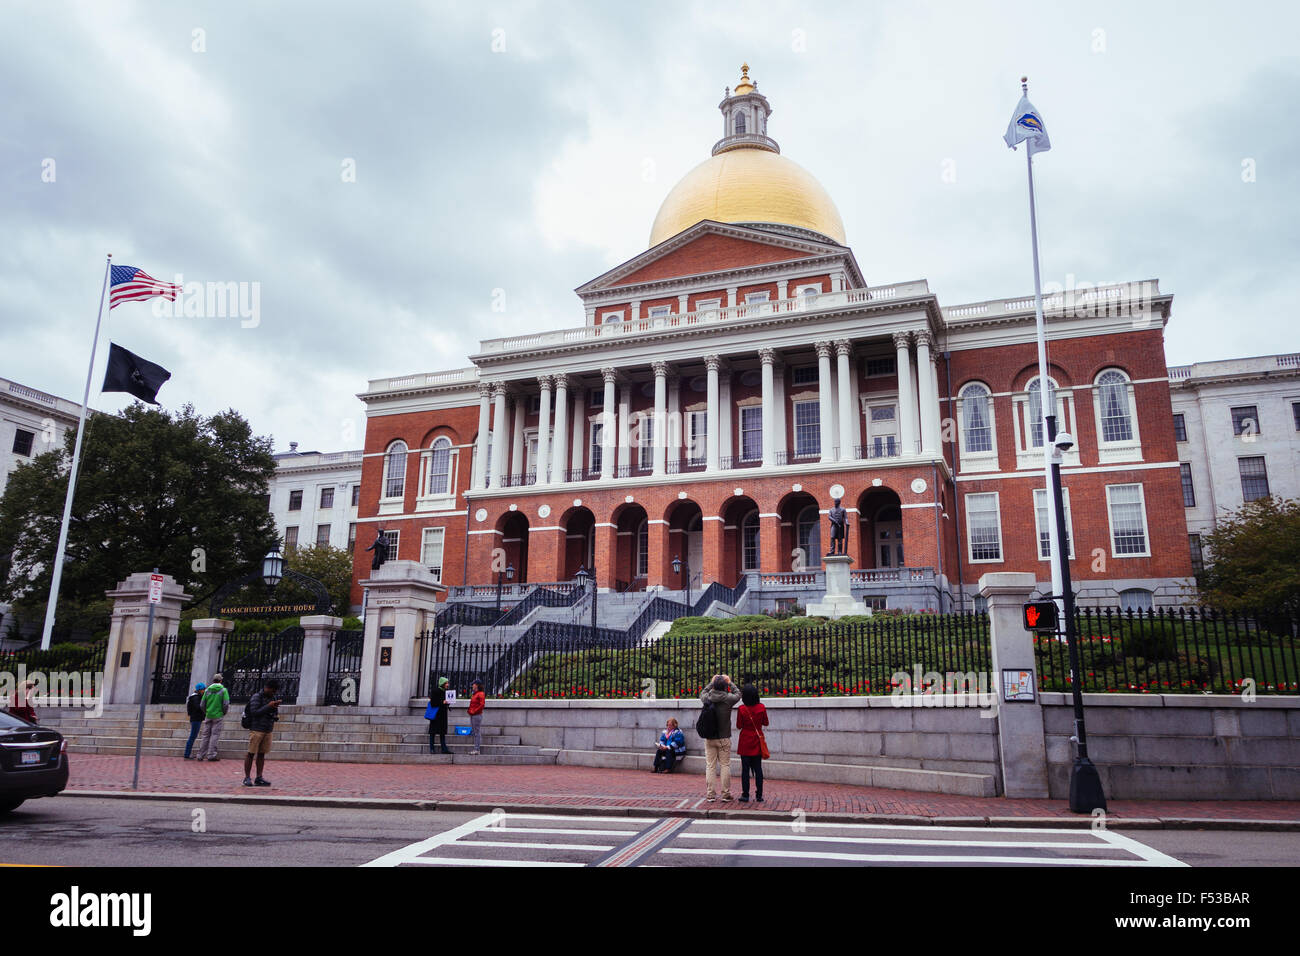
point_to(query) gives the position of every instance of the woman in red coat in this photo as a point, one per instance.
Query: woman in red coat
(751, 718)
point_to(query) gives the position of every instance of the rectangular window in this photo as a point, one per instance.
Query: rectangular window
(1198, 556)
(754, 298)
(322, 535)
(1295, 414)
(1245, 420)
(805, 375)
(534, 404)
(882, 427)
(984, 527)
(1254, 478)
(352, 537)
(751, 433)
(1128, 520)
(1189, 493)
(326, 498)
(882, 365)
(749, 543)
(807, 429)
(394, 538)
(660, 310)
(1180, 427)
(295, 501)
(1040, 522)
(697, 436)
(597, 454)
(290, 537)
(356, 495)
(596, 398)
(708, 305)
(646, 434)
(643, 549)
(23, 441)
(431, 550)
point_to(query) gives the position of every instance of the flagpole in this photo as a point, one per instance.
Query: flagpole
(1086, 793)
(53, 600)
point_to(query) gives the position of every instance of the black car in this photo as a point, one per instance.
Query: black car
(33, 762)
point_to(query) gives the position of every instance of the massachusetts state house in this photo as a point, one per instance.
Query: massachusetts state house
(729, 382)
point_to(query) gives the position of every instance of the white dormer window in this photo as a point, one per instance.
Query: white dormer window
(611, 318)
(660, 310)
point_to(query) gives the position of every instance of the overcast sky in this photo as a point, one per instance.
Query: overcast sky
(526, 147)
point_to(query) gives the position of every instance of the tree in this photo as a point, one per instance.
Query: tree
(332, 567)
(183, 493)
(1253, 560)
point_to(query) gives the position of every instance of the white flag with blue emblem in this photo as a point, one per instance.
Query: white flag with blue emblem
(1027, 127)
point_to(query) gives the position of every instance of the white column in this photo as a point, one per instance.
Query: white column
(517, 466)
(925, 388)
(726, 415)
(682, 302)
(712, 363)
(481, 464)
(660, 418)
(676, 422)
(768, 358)
(824, 410)
(500, 433)
(624, 430)
(848, 422)
(561, 426)
(782, 289)
(581, 430)
(934, 399)
(608, 435)
(781, 404)
(544, 431)
(906, 394)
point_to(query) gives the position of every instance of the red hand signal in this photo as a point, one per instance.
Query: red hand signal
(1031, 615)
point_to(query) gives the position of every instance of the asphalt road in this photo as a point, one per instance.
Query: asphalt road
(77, 831)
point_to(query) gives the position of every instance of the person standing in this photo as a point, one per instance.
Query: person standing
(194, 708)
(476, 704)
(722, 695)
(438, 722)
(672, 747)
(751, 718)
(262, 711)
(216, 701)
(22, 703)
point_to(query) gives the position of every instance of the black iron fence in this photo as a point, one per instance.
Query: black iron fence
(1176, 650)
(172, 666)
(343, 669)
(248, 661)
(565, 660)
(69, 670)
(551, 595)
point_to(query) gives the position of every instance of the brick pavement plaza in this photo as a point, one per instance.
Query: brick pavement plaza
(560, 786)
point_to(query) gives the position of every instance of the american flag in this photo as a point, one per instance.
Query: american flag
(129, 283)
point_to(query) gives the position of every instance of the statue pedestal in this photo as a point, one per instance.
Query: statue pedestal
(838, 600)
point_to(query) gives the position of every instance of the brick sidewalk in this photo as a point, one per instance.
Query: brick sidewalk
(597, 788)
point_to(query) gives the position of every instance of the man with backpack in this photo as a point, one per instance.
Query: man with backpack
(260, 715)
(194, 708)
(216, 701)
(714, 728)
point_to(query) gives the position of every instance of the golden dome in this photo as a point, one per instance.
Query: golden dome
(748, 185)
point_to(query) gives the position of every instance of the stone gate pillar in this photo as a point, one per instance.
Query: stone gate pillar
(1021, 740)
(209, 633)
(318, 629)
(130, 647)
(403, 597)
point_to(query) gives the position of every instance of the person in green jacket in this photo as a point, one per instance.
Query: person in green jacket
(216, 702)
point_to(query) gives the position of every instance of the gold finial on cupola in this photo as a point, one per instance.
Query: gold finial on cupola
(746, 85)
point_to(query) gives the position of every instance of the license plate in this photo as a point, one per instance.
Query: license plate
(31, 756)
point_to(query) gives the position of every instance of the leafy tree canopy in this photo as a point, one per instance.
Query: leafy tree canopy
(1253, 559)
(181, 493)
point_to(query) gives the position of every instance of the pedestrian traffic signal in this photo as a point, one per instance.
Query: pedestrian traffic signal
(1040, 616)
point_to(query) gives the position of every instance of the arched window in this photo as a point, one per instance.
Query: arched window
(1035, 413)
(1114, 407)
(395, 470)
(740, 124)
(976, 419)
(1135, 599)
(440, 467)
(749, 542)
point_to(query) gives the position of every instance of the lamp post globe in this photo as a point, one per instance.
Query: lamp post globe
(273, 568)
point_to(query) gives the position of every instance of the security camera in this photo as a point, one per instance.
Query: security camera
(1064, 441)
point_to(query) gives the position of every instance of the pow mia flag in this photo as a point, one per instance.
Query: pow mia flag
(129, 373)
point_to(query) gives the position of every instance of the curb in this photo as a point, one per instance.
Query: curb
(880, 819)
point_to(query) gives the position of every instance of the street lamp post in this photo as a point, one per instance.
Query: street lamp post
(273, 568)
(584, 576)
(678, 564)
(509, 574)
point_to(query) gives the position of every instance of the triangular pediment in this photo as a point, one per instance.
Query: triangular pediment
(709, 247)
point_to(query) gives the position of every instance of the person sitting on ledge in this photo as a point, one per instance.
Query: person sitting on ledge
(672, 747)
